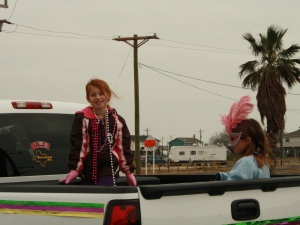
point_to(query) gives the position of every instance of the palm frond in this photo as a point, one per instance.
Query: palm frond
(254, 45)
(289, 52)
(296, 61)
(252, 80)
(248, 67)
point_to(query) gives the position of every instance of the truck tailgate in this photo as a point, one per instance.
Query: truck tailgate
(222, 202)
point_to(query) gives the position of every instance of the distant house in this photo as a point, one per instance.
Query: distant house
(184, 141)
(291, 143)
(142, 146)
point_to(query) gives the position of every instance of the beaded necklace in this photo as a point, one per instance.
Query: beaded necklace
(100, 140)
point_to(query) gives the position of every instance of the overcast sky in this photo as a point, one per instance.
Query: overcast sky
(187, 78)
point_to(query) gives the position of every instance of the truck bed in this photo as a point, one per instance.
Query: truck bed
(161, 199)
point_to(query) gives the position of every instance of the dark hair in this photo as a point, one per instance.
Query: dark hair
(259, 146)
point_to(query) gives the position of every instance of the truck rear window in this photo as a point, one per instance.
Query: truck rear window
(34, 144)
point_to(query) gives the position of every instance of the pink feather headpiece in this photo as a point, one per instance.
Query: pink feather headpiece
(239, 111)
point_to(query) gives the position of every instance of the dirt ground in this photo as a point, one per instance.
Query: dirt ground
(290, 166)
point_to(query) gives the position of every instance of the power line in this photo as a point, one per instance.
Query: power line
(159, 71)
(212, 82)
(81, 36)
(292, 111)
(13, 10)
(224, 50)
(123, 67)
(205, 46)
(192, 85)
(56, 36)
(91, 37)
(97, 37)
(202, 50)
(65, 32)
(292, 93)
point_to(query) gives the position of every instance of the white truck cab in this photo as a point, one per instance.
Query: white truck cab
(34, 137)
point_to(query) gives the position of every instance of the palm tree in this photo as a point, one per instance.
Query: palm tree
(267, 75)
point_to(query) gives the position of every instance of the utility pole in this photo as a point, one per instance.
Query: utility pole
(1, 23)
(4, 21)
(135, 46)
(4, 5)
(201, 135)
(147, 131)
(162, 146)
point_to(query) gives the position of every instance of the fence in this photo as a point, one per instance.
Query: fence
(184, 167)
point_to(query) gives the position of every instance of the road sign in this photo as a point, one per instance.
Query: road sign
(150, 141)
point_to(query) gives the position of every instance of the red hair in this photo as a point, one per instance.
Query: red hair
(102, 85)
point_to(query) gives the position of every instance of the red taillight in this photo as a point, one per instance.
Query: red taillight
(122, 212)
(31, 105)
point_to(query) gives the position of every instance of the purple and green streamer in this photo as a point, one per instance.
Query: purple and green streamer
(72, 209)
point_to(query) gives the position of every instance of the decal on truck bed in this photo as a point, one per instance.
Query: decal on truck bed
(39, 156)
(40, 144)
(71, 209)
(285, 221)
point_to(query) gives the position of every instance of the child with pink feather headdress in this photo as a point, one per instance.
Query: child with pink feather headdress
(247, 140)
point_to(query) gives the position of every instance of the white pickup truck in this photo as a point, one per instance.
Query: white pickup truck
(34, 138)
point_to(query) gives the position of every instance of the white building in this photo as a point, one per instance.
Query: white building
(291, 143)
